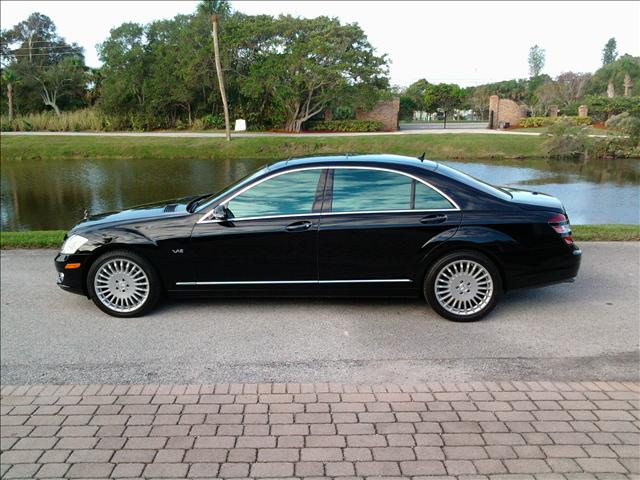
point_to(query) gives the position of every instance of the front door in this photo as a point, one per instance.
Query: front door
(376, 227)
(269, 240)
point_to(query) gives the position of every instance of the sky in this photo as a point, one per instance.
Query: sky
(468, 43)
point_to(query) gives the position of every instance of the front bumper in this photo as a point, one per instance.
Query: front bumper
(72, 280)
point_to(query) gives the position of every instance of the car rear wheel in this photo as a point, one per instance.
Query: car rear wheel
(123, 284)
(463, 286)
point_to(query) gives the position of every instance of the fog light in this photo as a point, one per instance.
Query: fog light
(60, 277)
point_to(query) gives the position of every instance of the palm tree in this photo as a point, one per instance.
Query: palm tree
(10, 77)
(216, 8)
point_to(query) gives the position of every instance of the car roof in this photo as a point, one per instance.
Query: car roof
(370, 160)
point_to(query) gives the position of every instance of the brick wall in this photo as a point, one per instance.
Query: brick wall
(385, 112)
(505, 110)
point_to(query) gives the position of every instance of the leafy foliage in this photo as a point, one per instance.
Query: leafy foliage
(47, 71)
(347, 126)
(566, 140)
(609, 52)
(536, 61)
(443, 96)
(601, 108)
(529, 122)
(615, 72)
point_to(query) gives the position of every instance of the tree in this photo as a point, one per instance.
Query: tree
(309, 63)
(571, 87)
(216, 8)
(443, 97)
(126, 67)
(416, 92)
(536, 60)
(615, 72)
(477, 98)
(55, 79)
(10, 78)
(609, 52)
(50, 68)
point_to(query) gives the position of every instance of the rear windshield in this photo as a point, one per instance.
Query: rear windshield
(473, 182)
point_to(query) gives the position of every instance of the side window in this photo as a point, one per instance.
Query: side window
(362, 190)
(286, 194)
(427, 198)
(358, 190)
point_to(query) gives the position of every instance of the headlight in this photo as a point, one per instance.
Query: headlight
(73, 243)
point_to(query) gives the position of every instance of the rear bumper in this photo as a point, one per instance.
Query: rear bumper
(71, 280)
(562, 269)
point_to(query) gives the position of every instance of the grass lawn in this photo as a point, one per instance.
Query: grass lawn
(53, 238)
(442, 146)
(590, 130)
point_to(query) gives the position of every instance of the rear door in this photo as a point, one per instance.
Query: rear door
(376, 226)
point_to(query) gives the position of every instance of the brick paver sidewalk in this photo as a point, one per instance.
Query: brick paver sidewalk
(519, 430)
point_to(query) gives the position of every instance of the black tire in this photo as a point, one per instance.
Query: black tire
(155, 288)
(446, 261)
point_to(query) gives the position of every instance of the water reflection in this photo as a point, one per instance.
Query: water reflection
(53, 194)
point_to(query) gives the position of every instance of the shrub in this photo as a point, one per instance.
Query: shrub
(346, 126)
(530, 122)
(626, 124)
(601, 108)
(567, 140)
(75, 121)
(214, 121)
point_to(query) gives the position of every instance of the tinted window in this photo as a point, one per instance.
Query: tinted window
(357, 190)
(473, 182)
(365, 190)
(428, 199)
(287, 194)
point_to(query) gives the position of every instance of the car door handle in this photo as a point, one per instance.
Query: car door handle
(299, 226)
(438, 218)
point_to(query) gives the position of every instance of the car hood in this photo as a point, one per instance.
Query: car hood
(163, 208)
(534, 200)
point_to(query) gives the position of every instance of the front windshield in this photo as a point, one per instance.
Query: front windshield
(206, 201)
(473, 182)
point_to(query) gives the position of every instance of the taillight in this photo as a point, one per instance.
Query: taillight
(560, 223)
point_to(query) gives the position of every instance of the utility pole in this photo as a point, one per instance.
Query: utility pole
(216, 54)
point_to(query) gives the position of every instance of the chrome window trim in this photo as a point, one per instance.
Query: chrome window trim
(204, 218)
(280, 282)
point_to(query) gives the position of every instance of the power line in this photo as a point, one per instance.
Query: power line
(70, 52)
(46, 48)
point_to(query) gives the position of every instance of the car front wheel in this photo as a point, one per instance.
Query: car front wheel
(123, 284)
(463, 286)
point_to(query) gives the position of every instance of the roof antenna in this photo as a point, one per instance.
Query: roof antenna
(421, 157)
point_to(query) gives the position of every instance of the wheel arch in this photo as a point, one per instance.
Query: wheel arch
(141, 249)
(483, 240)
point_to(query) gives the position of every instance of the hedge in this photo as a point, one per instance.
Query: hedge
(346, 126)
(530, 122)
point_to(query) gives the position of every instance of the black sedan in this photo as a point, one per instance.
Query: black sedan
(365, 225)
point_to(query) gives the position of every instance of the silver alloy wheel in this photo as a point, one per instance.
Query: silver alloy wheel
(121, 285)
(463, 287)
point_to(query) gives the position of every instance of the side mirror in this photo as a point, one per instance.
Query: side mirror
(220, 212)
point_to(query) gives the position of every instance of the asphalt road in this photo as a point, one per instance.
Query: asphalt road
(585, 330)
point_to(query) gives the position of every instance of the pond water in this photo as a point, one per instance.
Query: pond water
(52, 194)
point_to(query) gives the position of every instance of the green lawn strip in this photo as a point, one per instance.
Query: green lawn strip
(610, 232)
(441, 146)
(32, 239)
(53, 238)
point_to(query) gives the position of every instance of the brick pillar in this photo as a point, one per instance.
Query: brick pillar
(583, 111)
(494, 102)
(553, 111)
